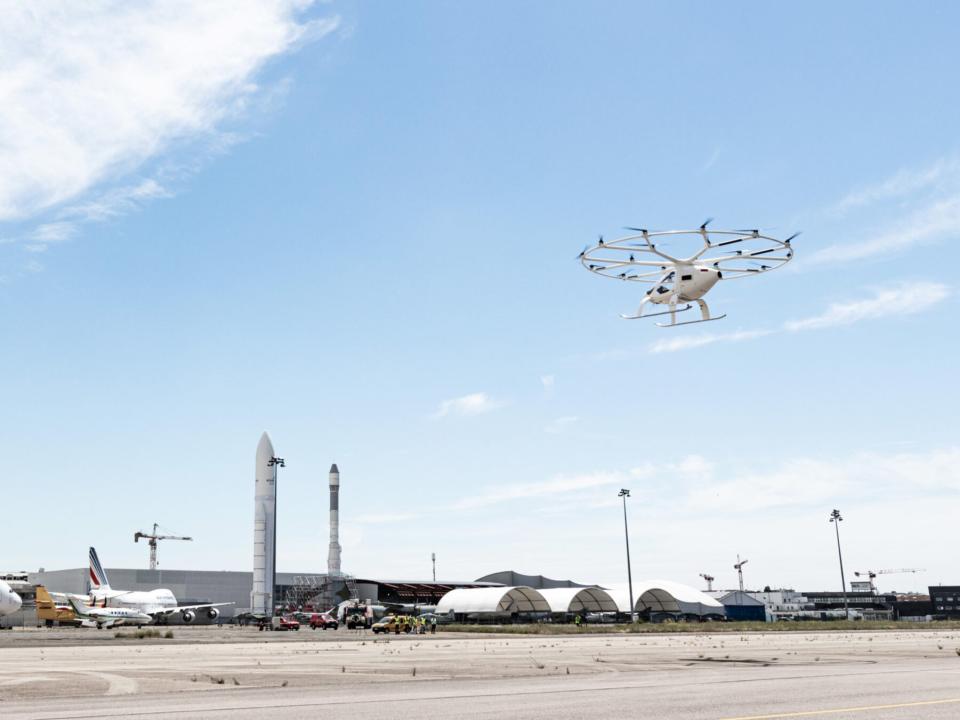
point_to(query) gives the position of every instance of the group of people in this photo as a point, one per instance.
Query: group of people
(420, 625)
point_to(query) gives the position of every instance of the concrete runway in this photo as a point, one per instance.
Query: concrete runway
(234, 673)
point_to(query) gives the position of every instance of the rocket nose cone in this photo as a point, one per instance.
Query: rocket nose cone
(264, 448)
(334, 469)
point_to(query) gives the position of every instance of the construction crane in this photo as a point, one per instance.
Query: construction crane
(152, 542)
(739, 568)
(709, 579)
(872, 574)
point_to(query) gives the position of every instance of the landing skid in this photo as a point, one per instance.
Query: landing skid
(690, 322)
(665, 312)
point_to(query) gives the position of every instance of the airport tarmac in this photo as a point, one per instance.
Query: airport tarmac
(210, 672)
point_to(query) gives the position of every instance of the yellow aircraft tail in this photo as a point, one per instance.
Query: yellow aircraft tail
(47, 608)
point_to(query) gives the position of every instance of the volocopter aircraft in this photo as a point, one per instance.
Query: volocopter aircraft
(159, 604)
(725, 255)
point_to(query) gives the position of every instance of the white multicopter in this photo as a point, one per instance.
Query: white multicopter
(725, 255)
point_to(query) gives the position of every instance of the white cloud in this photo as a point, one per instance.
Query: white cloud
(555, 486)
(806, 481)
(937, 220)
(91, 91)
(558, 425)
(903, 299)
(384, 518)
(693, 341)
(901, 184)
(711, 161)
(547, 381)
(473, 404)
(691, 468)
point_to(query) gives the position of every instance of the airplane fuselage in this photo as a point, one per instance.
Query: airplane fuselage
(9, 600)
(145, 602)
(692, 283)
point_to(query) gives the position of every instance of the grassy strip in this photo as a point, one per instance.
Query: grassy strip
(141, 634)
(704, 628)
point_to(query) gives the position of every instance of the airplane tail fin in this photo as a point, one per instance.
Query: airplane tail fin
(44, 600)
(98, 578)
(77, 607)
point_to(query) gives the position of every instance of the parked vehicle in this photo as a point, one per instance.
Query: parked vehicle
(284, 622)
(391, 623)
(323, 621)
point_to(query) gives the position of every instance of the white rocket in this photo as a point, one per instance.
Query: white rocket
(264, 529)
(333, 557)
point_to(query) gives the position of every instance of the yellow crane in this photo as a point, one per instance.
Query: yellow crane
(152, 542)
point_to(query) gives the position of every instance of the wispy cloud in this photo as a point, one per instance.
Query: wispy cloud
(807, 481)
(926, 206)
(384, 518)
(560, 424)
(902, 299)
(690, 468)
(93, 91)
(711, 161)
(935, 221)
(473, 404)
(694, 341)
(903, 183)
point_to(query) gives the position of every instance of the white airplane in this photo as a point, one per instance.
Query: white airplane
(159, 604)
(108, 617)
(9, 601)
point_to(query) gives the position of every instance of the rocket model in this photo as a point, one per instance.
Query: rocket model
(264, 529)
(333, 557)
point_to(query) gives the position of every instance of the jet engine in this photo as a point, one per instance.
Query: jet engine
(188, 616)
(213, 613)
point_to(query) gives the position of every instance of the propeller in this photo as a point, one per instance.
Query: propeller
(583, 252)
(705, 223)
(601, 239)
(639, 230)
(792, 237)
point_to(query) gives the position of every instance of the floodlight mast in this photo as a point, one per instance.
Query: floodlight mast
(624, 493)
(836, 519)
(274, 462)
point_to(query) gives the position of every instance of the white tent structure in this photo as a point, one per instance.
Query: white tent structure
(578, 599)
(666, 596)
(492, 600)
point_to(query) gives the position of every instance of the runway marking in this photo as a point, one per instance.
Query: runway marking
(835, 711)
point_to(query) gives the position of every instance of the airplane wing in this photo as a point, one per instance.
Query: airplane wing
(180, 608)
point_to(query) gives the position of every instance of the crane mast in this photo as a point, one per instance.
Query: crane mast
(871, 575)
(152, 539)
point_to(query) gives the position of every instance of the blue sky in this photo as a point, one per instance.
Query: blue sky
(355, 226)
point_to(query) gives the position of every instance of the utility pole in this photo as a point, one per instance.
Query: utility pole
(624, 493)
(152, 542)
(836, 519)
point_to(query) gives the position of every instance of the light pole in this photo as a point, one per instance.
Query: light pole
(836, 519)
(624, 493)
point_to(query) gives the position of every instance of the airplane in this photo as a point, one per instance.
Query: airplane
(50, 611)
(108, 617)
(10, 602)
(159, 604)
